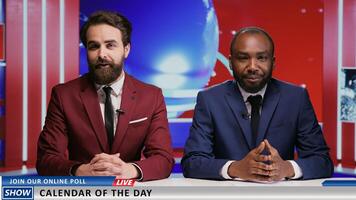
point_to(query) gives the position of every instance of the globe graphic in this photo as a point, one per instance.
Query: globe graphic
(174, 45)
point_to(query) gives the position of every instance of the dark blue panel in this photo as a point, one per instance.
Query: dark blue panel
(2, 82)
(343, 175)
(2, 149)
(177, 168)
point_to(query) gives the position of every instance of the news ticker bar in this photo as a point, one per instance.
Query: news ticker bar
(184, 192)
(58, 181)
(78, 181)
(342, 183)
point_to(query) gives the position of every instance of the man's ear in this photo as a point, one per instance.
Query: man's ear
(127, 49)
(273, 63)
(230, 63)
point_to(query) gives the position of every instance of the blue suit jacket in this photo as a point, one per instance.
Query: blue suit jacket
(221, 132)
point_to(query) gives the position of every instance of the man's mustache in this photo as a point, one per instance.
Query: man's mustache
(101, 63)
(252, 75)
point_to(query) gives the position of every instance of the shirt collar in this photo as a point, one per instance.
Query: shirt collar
(116, 85)
(245, 94)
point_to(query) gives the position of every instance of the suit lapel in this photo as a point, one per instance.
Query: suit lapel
(270, 102)
(128, 102)
(90, 100)
(238, 107)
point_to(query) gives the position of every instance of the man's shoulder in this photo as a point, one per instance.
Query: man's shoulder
(76, 84)
(284, 86)
(140, 85)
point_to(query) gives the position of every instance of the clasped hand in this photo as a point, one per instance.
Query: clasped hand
(261, 168)
(108, 165)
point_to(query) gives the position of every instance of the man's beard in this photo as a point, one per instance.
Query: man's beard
(252, 88)
(104, 75)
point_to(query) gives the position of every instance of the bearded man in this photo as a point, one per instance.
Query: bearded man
(106, 123)
(249, 128)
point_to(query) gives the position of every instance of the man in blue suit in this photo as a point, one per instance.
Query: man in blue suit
(249, 128)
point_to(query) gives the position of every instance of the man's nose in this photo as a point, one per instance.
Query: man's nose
(252, 64)
(102, 53)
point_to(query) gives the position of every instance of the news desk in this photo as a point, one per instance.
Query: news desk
(175, 187)
(186, 188)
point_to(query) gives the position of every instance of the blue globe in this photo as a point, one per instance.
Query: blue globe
(174, 45)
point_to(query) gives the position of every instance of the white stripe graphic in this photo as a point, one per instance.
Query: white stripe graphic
(44, 63)
(339, 66)
(61, 40)
(25, 84)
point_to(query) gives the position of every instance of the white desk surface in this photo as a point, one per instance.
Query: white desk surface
(217, 183)
(187, 188)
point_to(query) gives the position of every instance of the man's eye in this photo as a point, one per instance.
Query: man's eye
(110, 45)
(262, 58)
(93, 46)
(242, 58)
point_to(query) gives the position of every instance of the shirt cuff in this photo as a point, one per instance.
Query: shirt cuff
(297, 170)
(73, 169)
(224, 169)
(140, 177)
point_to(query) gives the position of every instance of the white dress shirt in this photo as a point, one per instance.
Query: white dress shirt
(116, 95)
(297, 170)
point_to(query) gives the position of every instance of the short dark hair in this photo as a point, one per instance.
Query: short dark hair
(113, 19)
(251, 30)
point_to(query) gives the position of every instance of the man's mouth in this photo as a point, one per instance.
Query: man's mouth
(253, 79)
(102, 65)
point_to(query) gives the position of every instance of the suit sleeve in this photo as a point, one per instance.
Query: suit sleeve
(199, 159)
(52, 144)
(159, 161)
(313, 152)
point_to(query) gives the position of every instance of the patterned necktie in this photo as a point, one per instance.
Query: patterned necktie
(255, 102)
(109, 115)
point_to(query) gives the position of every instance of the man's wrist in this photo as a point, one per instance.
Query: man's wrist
(289, 169)
(298, 173)
(73, 169)
(224, 170)
(232, 171)
(138, 174)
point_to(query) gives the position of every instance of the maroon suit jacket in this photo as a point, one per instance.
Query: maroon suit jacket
(74, 130)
